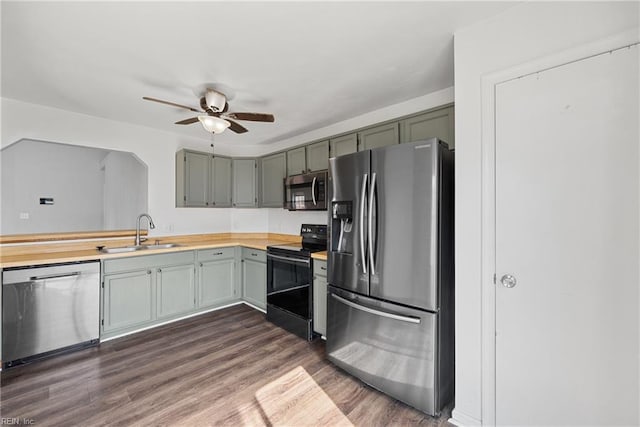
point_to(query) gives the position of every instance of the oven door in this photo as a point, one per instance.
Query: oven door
(289, 284)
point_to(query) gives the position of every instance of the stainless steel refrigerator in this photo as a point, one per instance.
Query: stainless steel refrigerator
(390, 271)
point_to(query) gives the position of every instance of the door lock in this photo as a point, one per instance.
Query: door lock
(508, 281)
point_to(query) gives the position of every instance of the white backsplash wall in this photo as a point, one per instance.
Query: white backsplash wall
(249, 220)
(289, 222)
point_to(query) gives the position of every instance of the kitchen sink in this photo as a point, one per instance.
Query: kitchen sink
(162, 245)
(125, 249)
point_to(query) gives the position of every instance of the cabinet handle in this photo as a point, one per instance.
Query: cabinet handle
(148, 271)
(159, 270)
(201, 265)
(323, 268)
(254, 254)
(217, 253)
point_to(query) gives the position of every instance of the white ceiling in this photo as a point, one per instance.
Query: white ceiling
(308, 63)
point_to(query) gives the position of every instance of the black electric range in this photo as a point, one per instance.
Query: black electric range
(290, 281)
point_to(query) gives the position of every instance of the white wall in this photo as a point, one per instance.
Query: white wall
(521, 34)
(125, 190)
(33, 169)
(157, 150)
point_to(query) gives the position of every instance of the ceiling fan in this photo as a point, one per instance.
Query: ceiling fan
(216, 117)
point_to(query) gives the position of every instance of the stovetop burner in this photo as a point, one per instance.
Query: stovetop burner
(314, 239)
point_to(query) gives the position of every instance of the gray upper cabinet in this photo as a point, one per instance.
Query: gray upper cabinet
(221, 185)
(296, 161)
(192, 179)
(274, 171)
(318, 156)
(436, 123)
(202, 180)
(379, 136)
(244, 183)
(345, 144)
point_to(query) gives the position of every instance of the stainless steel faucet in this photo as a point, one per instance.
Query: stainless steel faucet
(151, 226)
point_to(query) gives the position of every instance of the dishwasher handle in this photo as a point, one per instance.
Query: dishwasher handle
(55, 276)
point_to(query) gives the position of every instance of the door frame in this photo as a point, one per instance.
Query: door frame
(488, 195)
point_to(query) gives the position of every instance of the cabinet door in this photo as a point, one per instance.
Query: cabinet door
(379, 136)
(221, 185)
(345, 144)
(318, 156)
(320, 304)
(244, 183)
(296, 161)
(216, 283)
(438, 124)
(274, 170)
(254, 282)
(175, 290)
(196, 179)
(127, 300)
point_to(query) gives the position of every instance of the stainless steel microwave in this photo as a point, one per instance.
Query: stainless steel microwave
(306, 192)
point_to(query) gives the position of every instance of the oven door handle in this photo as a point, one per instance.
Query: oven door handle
(286, 258)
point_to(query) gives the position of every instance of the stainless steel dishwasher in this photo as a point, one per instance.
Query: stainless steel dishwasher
(49, 309)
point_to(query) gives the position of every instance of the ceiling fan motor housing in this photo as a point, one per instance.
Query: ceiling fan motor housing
(215, 100)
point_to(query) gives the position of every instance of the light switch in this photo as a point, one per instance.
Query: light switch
(24, 215)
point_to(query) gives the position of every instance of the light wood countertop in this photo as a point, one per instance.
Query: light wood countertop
(319, 255)
(37, 254)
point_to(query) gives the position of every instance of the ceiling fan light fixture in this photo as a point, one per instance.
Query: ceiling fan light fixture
(215, 100)
(213, 124)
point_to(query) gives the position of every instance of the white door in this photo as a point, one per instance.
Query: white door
(567, 230)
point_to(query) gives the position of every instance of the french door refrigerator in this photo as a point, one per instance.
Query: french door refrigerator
(390, 270)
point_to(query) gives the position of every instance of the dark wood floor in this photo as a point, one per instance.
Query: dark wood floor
(229, 367)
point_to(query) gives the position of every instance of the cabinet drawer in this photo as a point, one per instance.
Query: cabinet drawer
(320, 268)
(149, 261)
(254, 254)
(216, 253)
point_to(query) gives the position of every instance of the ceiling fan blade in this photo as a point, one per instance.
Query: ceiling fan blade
(254, 117)
(170, 103)
(187, 121)
(237, 127)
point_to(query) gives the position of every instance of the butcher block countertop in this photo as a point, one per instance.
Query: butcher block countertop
(319, 255)
(18, 255)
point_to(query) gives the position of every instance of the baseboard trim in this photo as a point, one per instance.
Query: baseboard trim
(253, 306)
(462, 420)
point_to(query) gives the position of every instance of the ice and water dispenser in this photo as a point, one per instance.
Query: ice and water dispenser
(342, 237)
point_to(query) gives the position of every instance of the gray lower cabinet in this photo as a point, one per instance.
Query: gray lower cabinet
(296, 161)
(254, 277)
(175, 290)
(128, 300)
(273, 171)
(143, 290)
(345, 144)
(320, 297)
(244, 183)
(437, 123)
(217, 283)
(379, 136)
(318, 156)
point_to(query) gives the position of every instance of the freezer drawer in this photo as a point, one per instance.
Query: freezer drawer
(390, 347)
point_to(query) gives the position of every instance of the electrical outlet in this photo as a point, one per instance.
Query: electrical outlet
(24, 215)
(168, 227)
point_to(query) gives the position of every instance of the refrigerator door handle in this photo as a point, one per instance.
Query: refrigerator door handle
(408, 319)
(372, 195)
(365, 181)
